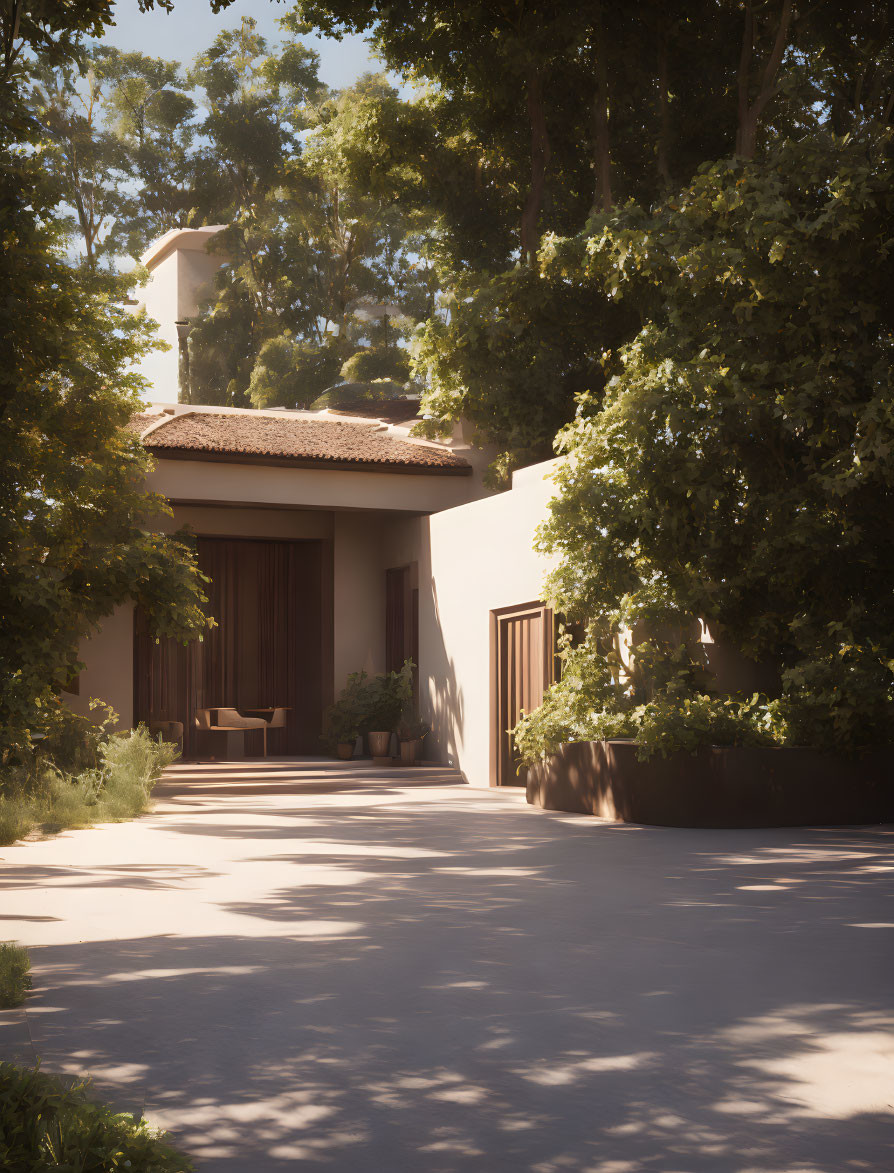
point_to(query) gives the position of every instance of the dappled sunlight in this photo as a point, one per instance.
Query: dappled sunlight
(560, 1070)
(847, 1075)
(150, 975)
(422, 978)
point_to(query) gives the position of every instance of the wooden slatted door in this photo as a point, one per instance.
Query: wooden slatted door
(523, 668)
(401, 616)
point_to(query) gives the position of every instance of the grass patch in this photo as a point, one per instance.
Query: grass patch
(102, 778)
(45, 1125)
(15, 974)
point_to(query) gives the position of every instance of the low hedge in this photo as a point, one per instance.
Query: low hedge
(47, 1126)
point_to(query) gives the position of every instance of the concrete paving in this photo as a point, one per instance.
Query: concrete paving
(317, 966)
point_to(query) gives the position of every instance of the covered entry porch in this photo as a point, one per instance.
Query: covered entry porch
(268, 657)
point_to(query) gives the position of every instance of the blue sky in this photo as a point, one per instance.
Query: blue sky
(192, 26)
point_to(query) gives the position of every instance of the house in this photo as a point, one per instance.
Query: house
(333, 543)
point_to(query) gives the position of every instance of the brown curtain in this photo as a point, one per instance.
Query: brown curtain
(218, 678)
(268, 648)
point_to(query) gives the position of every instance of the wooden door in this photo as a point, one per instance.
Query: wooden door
(402, 619)
(523, 668)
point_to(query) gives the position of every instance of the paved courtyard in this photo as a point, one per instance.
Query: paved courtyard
(308, 965)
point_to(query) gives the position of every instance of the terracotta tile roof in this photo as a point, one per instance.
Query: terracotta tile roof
(142, 419)
(291, 440)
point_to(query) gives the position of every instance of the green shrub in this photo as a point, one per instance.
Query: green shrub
(586, 706)
(45, 1125)
(40, 792)
(666, 725)
(595, 702)
(412, 727)
(686, 724)
(738, 467)
(74, 742)
(133, 763)
(15, 974)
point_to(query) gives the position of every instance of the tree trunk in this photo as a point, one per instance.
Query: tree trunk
(663, 111)
(602, 159)
(750, 112)
(541, 152)
(11, 25)
(744, 130)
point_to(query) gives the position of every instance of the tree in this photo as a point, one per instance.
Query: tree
(581, 102)
(73, 511)
(512, 353)
(257, 103)
(538, 118)
(535, 117)
(320, 257)
(87, 159)
(741, 468)
(149, 110)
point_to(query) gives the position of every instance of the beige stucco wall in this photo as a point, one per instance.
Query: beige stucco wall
(404, 540)
(315, 488)
(108, 671)
(481, 559)
(195, 277)
(359, 596)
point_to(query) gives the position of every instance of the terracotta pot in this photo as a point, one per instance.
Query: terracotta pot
(379, 744)
(409, 751)
(345, 750)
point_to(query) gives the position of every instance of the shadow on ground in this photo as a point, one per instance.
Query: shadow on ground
(434, 979)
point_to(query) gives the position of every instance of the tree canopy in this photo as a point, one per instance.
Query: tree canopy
(247, 135)
(535, 119)
(75, 520)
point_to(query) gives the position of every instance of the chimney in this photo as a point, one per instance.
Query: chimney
(181, 272)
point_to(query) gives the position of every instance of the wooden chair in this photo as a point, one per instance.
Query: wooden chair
(277, 721)
(229, 721)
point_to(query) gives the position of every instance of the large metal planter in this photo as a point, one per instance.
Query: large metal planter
(716, 787)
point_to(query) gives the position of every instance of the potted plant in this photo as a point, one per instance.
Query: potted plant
(385, 698)
(411, 732)
(345, 734)
(343, 721)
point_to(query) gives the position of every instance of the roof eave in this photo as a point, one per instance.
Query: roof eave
(259, 458)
